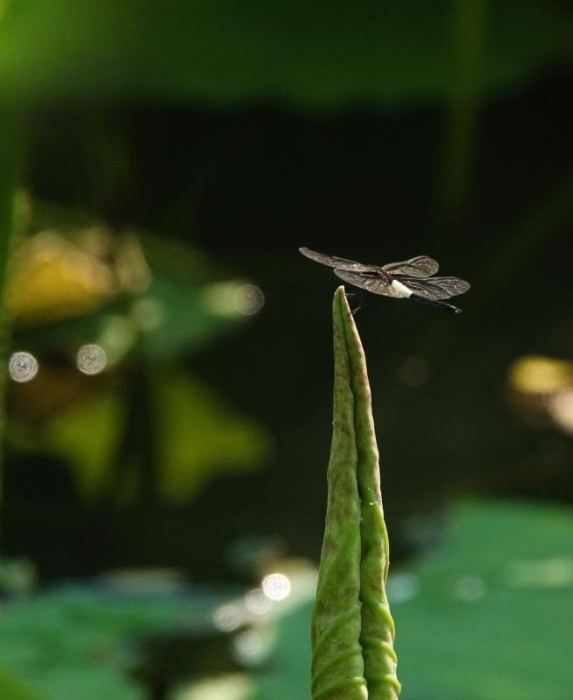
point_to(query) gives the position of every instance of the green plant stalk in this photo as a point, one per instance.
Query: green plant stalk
(469, 35)
(337, 663)
(352, 628)
(378, 631)
(9, 142)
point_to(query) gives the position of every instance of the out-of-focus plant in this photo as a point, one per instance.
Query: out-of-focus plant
(307, 54)
(130, 306)
(467, 606)
(135, 635)
(8, 181)
(10, 688)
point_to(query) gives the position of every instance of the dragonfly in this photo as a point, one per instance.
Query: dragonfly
(409, 279)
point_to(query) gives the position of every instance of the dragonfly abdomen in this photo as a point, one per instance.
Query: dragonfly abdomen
(400, 290)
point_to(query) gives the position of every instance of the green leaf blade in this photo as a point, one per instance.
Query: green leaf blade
(378, 630)
(353, 631)
(337, 667)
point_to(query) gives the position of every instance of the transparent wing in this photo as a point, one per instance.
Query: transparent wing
(420, 267)
(437, 287)
(339, 263)
(371, 282)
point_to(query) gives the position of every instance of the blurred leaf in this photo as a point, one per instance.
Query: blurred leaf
(78, 642)
(289, 676)
(490, 614)
(229, 687)
(200, 436)
(86, 435)
(53, 278)
(197, 433)
(13, 689)
(179, 318)
(312, 54)
(487, 615)
(74, 282)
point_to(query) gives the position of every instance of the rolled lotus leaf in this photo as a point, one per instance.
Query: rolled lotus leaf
(352, 629)
(377, 631)
(337, 663)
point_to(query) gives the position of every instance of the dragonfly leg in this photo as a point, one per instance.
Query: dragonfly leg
(358, 300)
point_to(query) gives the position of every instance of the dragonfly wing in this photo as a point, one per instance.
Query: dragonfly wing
(437, 287)
(374, 283)
(420, 267)
(341, 263)
(323, 259)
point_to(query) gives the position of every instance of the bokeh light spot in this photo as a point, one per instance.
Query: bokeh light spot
(561, 409)
(248, 647)
(535, 374)
(227, 617)
(257, 602)
(276, 586)
(248, 299)
(91, 359)
(402, 587)
(22, 367)
(469, 588)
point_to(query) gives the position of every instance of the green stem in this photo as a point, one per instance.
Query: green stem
(9, 141)
(469, 33)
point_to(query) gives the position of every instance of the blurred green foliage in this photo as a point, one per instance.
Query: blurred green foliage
(197, 436)
(111, 636)
(83, 642)
(13, 689)
(191, 435)
(487, 614)
(491, 611)
(312, 54)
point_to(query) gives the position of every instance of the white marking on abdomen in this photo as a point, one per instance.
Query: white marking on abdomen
(401, 289)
